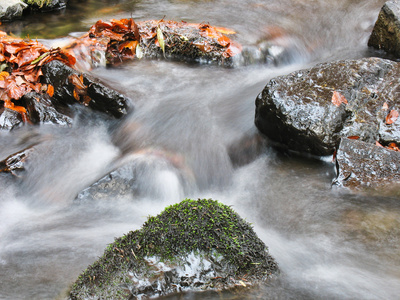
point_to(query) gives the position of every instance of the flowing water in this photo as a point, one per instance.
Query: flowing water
(189, 121)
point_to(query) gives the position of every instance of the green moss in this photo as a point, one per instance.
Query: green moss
(200, 226)
(39, 3)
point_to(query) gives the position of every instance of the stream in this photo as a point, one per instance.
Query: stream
(188, 123)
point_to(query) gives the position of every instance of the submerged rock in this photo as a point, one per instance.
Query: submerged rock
(301, 112)
(142, 173)
(15, 163)
(362, 165)
(193, 245)
(386, 32)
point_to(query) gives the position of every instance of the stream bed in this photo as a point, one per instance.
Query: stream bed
(189, 122)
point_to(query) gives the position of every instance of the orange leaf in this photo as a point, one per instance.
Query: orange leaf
(378, 144)
(50, 90)
(338, 98)
(392, 117)
(385, 106)
(224, 30)
(76, 96)
(353, 137)
(4, 75)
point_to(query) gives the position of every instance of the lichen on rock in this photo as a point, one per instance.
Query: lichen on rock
(193, 245)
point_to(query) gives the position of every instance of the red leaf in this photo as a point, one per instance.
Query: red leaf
(392, 117)
(338, 98)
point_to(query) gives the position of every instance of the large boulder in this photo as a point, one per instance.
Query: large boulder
(311, 110)
(386, 32)
(193, 245)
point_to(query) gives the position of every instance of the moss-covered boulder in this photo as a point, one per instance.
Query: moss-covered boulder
(192, 245)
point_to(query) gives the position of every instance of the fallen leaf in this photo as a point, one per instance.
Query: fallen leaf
(378, 144)
(392, 117)
(353, 137)
(393, 146)
(50, 90)
(338, 98)
(160, 38)
(4, 75)
(385, 106)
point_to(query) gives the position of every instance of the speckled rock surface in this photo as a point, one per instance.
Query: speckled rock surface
(362, 165)
(296, 110)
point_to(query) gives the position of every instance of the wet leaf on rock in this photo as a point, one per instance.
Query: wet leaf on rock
(338, 98)
(392, 117)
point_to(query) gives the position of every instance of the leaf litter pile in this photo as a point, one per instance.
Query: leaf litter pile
(105, 43)
(124, 39)
(21, 63)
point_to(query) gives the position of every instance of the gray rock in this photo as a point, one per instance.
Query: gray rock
(9, 119)
(11, 9)
(296, 110)
(362, 165)
(386, 32)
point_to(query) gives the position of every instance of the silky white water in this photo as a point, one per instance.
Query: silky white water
(192, 134)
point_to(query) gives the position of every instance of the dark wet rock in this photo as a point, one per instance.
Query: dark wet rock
(296, 110)
(191, 246)
(46, 5)
(9, 119)
(386, 32)
(136, 175)
(40, 110)
(363, 165)
(70, 85)
(11, 10)
(15, 163)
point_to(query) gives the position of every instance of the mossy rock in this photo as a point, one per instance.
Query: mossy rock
(192, 245)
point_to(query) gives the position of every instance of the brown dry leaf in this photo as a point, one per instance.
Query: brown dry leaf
(385, 106)
(353, 137)
(338, 98)
(392, 116)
